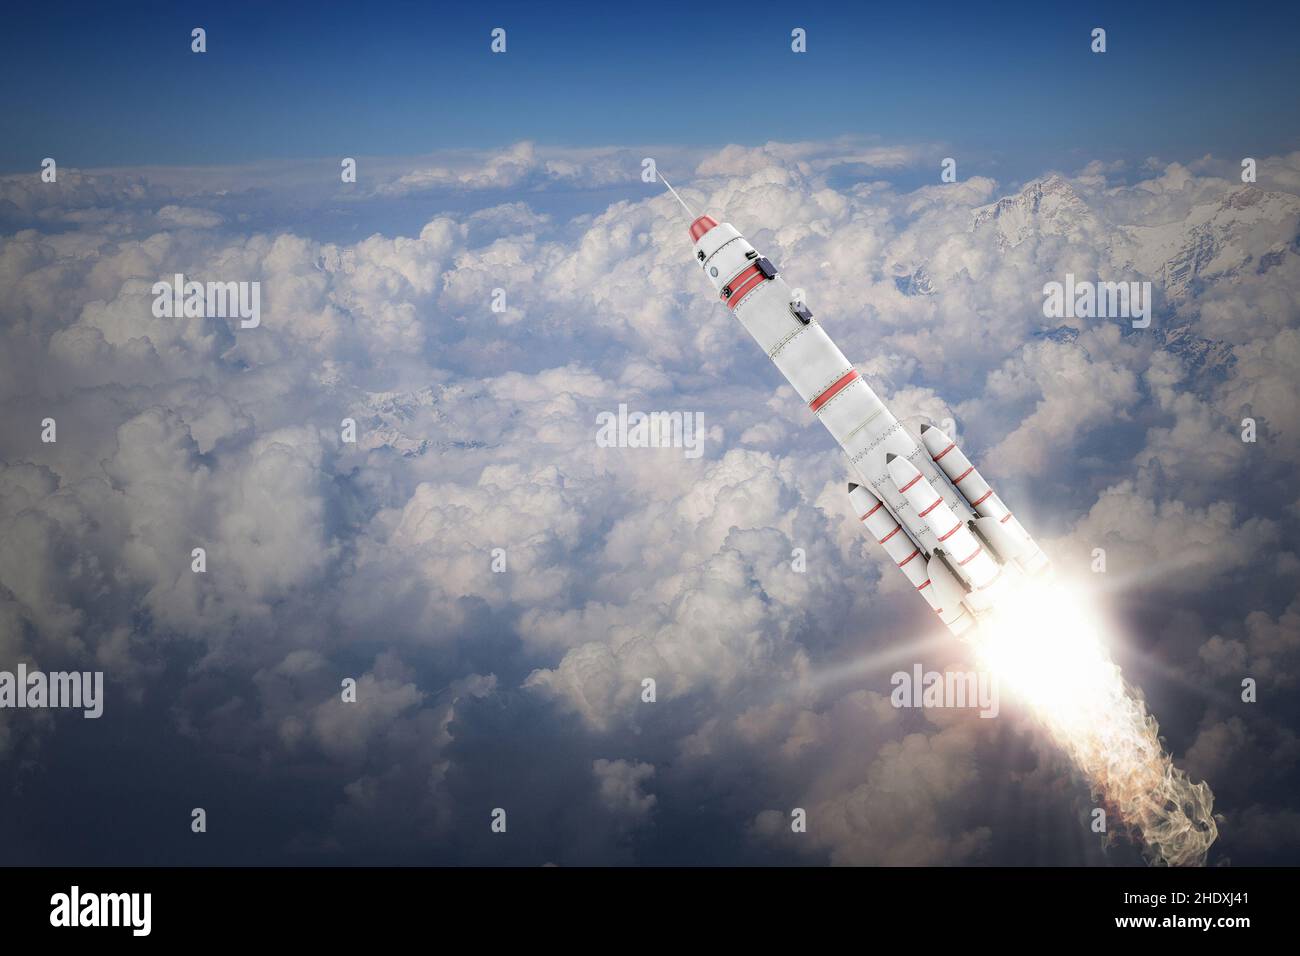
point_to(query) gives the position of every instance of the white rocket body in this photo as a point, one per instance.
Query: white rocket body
(914, 501)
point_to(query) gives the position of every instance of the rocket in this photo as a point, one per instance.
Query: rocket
(921, 500)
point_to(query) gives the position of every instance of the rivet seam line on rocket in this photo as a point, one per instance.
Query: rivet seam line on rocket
(879, 438)
(737, 303)
(705, 263)
(918, 455)
(956, 500)
(756, 266)
(835, 378)
(735, 238)
(747, 289)
(880, 485)
(833, 391)
(864, 423)
(917, 536)
(746, 267)
(903, 510)
(775, 350)
(835, 398)
(882, 488)
(912, 536)
(872, 439)
(900, 508)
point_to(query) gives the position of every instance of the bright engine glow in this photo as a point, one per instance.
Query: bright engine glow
(1046, 646)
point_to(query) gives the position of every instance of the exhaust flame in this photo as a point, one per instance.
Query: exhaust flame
(1046, 647)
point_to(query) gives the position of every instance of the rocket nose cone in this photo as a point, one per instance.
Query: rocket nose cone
(702, 225)
(852, 487)
(902, 472)
(935, 442)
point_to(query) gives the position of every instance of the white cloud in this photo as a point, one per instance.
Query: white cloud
(620, 785)
(476, 431)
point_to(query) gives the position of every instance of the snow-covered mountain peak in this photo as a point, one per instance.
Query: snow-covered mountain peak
(1047, 206)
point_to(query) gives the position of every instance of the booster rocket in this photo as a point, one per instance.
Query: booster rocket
(922, 501)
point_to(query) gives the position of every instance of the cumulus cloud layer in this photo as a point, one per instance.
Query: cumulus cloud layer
(524, 686)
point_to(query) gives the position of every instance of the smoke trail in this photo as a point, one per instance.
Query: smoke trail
(1173, 816)
(1046, 647)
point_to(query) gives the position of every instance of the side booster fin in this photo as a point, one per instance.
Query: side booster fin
(995, 523)
(880, 524)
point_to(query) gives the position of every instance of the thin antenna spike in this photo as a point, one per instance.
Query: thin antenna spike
(674, 192)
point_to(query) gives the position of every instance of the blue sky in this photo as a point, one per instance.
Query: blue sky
(104, 85)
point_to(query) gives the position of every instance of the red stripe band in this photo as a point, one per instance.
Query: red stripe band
(952, 532)
(741, 285)
(909, 484)
(888, 536)
(923, 585)
(741, 277)
(964, 474)
(744, 290)
(983, 498)
(840, 384)
(937, 503)
(909, 557)
(974, 554)
(951, 446)
(872, 511)
(1006, 519)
